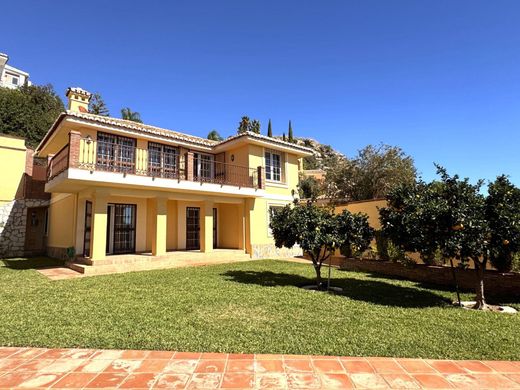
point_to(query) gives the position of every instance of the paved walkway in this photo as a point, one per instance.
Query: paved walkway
(86, 369)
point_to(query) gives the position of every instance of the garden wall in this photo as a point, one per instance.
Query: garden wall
(495, 283)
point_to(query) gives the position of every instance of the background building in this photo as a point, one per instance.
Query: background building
(11, 77)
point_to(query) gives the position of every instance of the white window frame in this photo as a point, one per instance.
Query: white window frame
(270, 169)
(212, 166)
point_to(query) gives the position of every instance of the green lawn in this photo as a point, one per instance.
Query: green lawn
(247, 307)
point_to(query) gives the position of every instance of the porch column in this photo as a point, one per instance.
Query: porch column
(241, 227)
(99, 227)
(160, 223)
(206, 236)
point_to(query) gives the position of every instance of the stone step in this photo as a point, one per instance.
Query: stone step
(145, 263)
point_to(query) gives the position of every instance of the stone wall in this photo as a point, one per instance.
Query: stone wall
(13, 220)
(496, 283)
(270, 251)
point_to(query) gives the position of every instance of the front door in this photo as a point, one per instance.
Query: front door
(35, 230)
(87, 235)
(124, 228)
(215, 224)
(192, 228)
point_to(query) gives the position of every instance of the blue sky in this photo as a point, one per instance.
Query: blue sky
(441, 79)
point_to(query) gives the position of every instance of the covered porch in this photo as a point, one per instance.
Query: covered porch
(117, 226)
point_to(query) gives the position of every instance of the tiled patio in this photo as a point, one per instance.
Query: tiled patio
(86, 369)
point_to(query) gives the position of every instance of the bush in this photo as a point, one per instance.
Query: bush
(382, 245)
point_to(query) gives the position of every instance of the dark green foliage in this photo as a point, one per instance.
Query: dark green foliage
(129, 115)
(29, 111)
(381, 245)
(309, 188)
(283, 137)
(371, 174)
(503, 216)
(354, 231)
(313, 228)
(214, 136)
(97, 105)
(452, 219)
(290, 133)
(269, 129)
(246, 125)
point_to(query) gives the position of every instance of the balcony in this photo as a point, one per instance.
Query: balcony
(162, 168)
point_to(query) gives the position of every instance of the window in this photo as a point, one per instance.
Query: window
(203, 166)
(270, 209)
(273, 166)
(162, 160)
(115, 153)
(15, 80)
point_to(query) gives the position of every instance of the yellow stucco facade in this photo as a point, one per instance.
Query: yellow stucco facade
(12, 158)
(148, 190)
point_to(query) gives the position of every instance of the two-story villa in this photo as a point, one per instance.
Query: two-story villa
(120, 187)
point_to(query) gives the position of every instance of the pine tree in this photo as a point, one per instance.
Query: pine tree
(255, 126)
(269, 129)
(244, 125)
(283, 137)
(97, 105)
(291, 137)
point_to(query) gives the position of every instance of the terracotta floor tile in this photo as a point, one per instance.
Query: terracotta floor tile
(180, 366)
(415, 366)
(303, 381)
(63, 365)
(8, 351)
(205, 381)
(106, 354)
(107, 380)
(94, 366)
(28, 353)
(167, 355)
(295, 366)
(296, 357)
(152, 365)
(263, 366)
(369, 381)
(214, 355)
(55, 354)
(210, 365)
(40, 380)
(400, 381)
(446, 367)
(74, 380)
(474, 366)
(357, 366)
(433, 381)
(235, 380)
(172, 381)
(330, 365)
(502, 366)
(11, 364)
(187, 355)
(139, 381)
(13, 379)
(462, 381)
(495, 381)
(135, 354)
(246, 356)
(514, 377)
(386, 366)
(240, 365)
(269, 357)
(336, 381)
(270, 381)
(123, 366)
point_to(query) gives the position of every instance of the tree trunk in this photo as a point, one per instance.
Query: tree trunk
(479, 288)
(317, 268)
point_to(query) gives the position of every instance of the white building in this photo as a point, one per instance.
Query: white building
(10, 76)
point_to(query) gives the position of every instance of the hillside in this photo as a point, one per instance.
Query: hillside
(324, 155)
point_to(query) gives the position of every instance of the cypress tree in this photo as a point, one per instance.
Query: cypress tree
(291, 137)
(269, 129)
(283, 137)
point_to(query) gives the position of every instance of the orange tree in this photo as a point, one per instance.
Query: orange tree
(318, 232)
(453, 216)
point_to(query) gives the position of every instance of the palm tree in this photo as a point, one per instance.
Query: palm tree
(214, 136)
(129, 115)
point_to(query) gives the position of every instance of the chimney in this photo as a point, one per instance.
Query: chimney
(78, 99)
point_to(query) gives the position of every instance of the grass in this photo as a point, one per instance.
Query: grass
(252, 307)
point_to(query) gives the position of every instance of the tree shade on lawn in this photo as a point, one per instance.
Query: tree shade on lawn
(251, 307)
